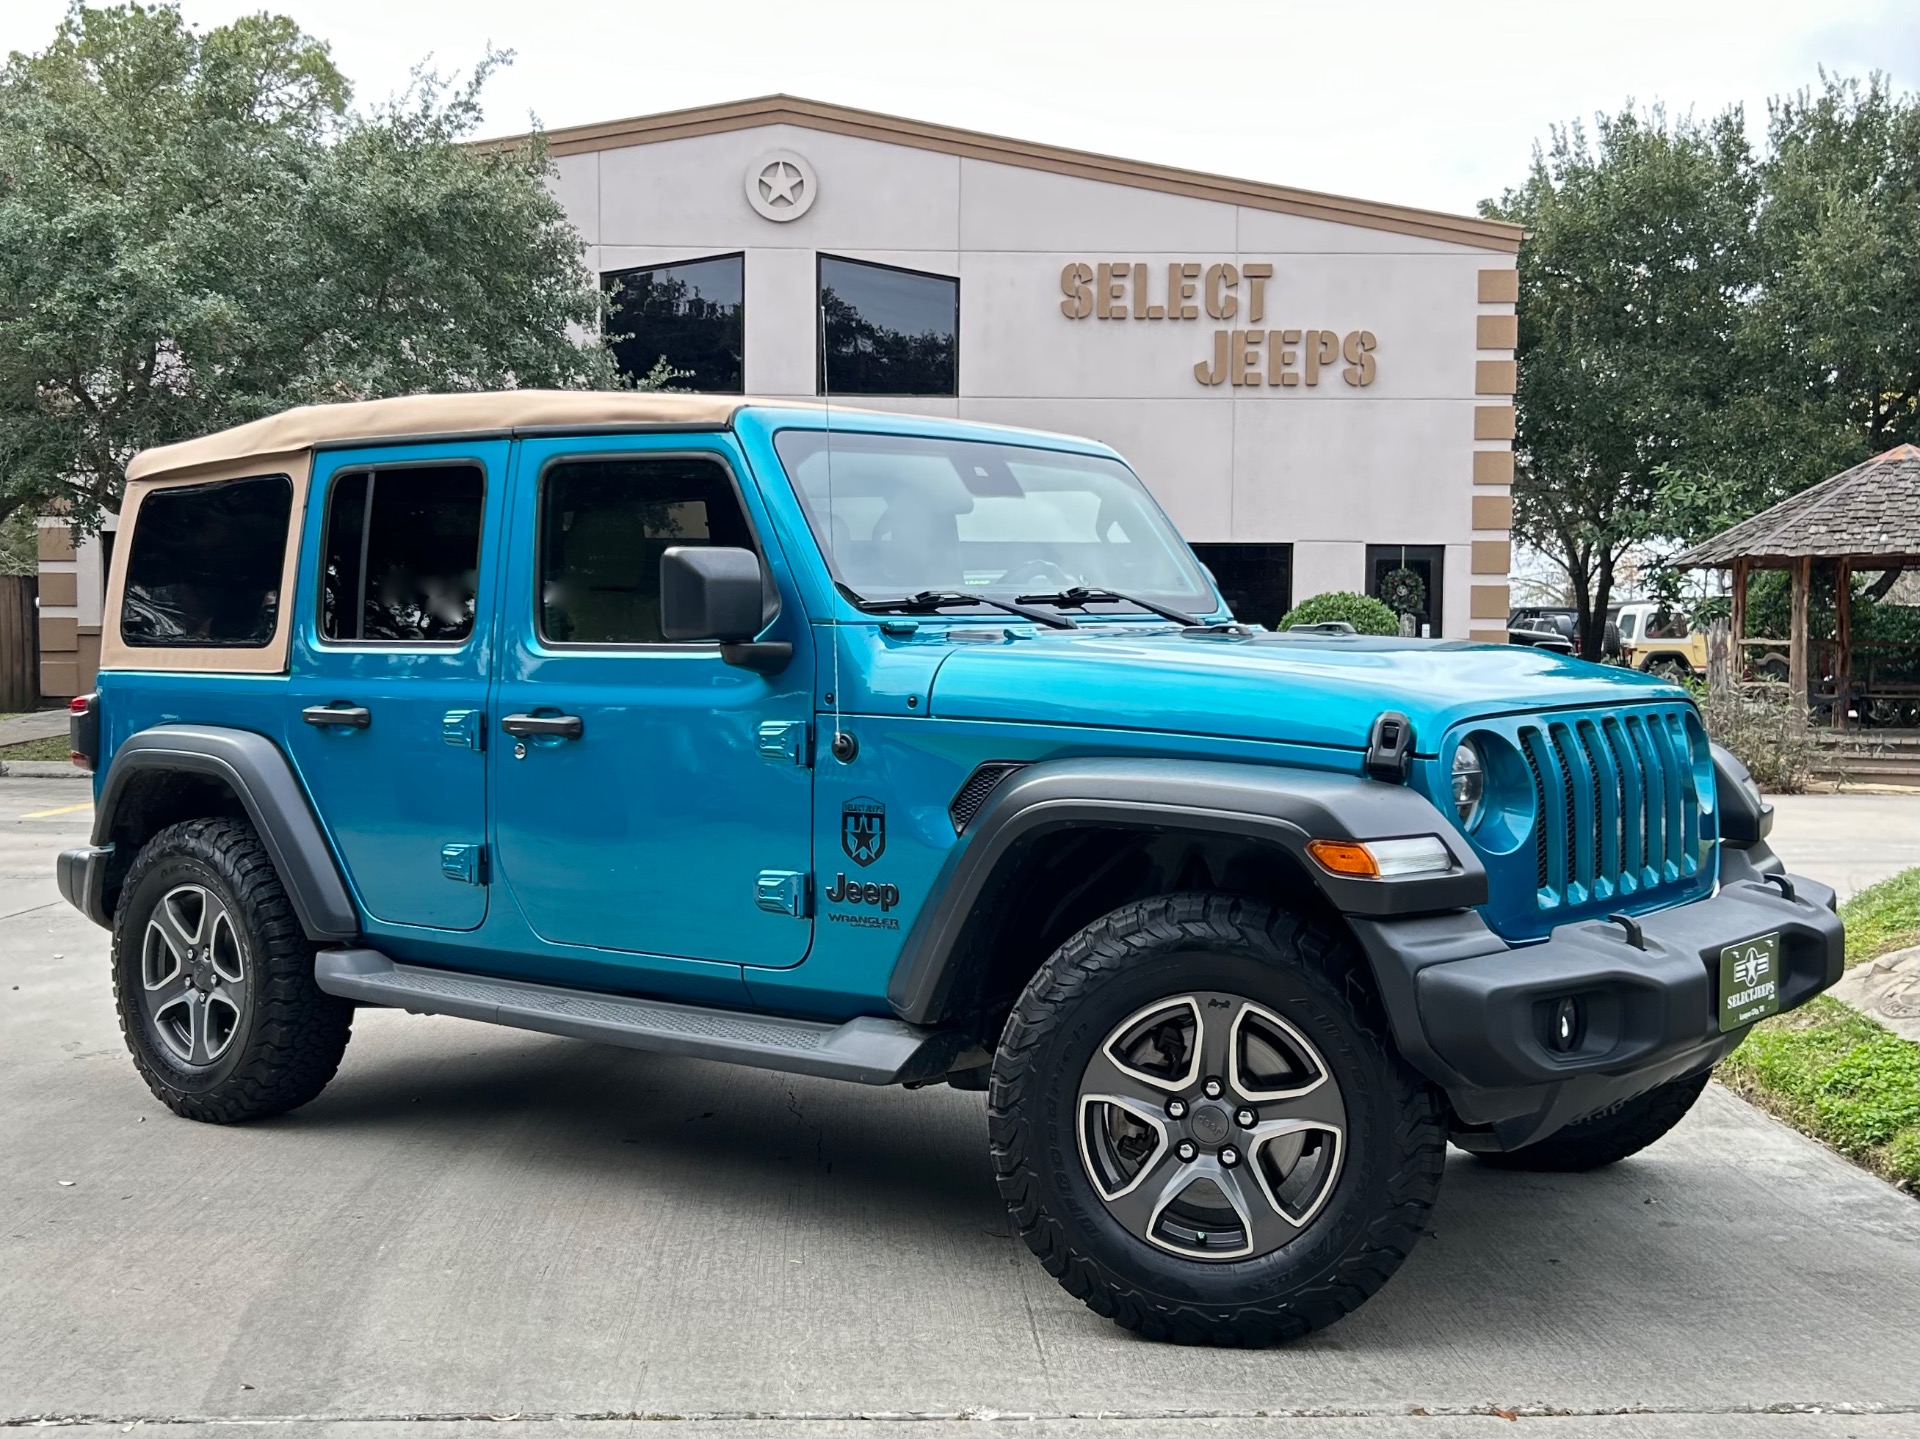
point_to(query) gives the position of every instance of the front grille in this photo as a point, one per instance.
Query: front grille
(1616, 806)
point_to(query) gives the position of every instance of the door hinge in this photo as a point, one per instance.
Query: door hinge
(464, 729)
(784, 891)
(464, 862)
(786, 742)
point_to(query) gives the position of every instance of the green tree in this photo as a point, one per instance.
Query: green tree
(195, 230)
(1830, 334)
(1640, 252)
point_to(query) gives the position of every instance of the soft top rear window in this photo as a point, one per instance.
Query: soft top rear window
(204, 564)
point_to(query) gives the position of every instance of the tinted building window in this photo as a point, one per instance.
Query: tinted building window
(204, 567)
(690, 317)
(402, 555)
(604, 524)
(1255, 580)
(888, 331)
(1429, 562)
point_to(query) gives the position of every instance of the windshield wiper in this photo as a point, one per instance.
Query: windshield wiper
(932, 601)
(1078, 597)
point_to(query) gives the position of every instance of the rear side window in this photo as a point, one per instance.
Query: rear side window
(204, 564)
(402, 555)
(604, 524)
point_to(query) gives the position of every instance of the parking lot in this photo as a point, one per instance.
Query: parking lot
(475, 1223)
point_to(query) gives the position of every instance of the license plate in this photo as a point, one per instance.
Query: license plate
(1749, 981)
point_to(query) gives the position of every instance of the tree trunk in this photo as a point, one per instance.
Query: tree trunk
(1593, 614)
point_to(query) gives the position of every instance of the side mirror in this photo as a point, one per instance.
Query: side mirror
(710, 592)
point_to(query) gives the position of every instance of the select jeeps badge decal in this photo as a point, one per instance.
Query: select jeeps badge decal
(863, 830)
(1749, 981)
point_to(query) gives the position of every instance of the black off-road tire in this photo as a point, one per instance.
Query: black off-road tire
(288, 1042)
(1611, 1135)
(1315, 979)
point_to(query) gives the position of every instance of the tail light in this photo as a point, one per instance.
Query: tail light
(83, 730)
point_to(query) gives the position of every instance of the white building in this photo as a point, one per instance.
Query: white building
(1318, 389)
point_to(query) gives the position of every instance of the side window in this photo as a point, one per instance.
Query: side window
(604, 525)
(402, 555)
(204, 564)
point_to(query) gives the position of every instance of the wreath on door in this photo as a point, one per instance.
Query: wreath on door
(1403, 592)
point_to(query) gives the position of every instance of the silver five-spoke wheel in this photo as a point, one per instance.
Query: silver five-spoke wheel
(1211, 1127)
(193, 975)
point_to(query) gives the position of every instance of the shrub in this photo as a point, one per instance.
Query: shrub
(1761, 735)
(1365, 614)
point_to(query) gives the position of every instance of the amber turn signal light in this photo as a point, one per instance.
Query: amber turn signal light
(1339, 856)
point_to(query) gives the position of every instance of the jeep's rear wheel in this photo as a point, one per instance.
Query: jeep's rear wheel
(213, 979)
(1201, 1128)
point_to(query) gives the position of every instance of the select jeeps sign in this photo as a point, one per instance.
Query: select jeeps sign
(1286, 358)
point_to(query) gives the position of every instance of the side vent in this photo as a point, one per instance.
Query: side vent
(980, 784)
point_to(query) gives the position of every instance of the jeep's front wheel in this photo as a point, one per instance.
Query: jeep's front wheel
(213, 979)
(1201, 1128)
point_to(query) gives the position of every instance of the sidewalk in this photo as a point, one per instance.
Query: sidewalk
(42, 724)
(1849, 841)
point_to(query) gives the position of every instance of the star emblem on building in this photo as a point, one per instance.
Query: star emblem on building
(782, 183)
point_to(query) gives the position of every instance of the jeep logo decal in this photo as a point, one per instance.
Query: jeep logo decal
(852, 891)
(863, 830)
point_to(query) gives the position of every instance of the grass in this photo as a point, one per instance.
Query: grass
(1831, 1072)
(53, 747)
(1883, 918)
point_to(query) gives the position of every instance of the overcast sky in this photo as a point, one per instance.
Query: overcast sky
(1433, 104)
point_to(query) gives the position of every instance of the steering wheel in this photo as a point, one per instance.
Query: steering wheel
(1031, 573)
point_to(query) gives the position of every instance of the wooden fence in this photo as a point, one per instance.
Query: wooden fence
(19, 643)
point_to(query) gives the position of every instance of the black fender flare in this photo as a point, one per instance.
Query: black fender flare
(262, 778)
(1285, 807)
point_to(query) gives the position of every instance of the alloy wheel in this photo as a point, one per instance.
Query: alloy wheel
(1210, 1127)
(193, 976)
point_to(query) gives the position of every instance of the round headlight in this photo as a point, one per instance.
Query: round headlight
(1469, 783)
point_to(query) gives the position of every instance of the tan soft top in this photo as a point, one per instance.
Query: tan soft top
(428, 416)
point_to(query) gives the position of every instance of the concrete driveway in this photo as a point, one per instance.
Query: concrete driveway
(1847, 840)
(474, 1223)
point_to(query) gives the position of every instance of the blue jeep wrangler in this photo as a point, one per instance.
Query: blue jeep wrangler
(907, 752)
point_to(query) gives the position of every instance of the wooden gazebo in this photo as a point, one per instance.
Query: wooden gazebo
(1865, 518)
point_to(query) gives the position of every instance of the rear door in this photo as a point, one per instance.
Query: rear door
(390, 672)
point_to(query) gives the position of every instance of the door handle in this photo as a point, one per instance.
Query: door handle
(562, 726)
(345, 715)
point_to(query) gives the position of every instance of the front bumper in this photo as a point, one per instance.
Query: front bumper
(1471, 1013)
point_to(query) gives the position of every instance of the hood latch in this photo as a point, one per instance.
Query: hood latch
(1390, 747)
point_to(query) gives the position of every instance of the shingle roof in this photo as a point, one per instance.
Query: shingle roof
(1871, 511)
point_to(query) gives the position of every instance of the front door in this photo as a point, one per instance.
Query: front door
(666, 809)
(390, 671)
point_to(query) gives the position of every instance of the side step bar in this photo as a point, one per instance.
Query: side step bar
(866, 1051)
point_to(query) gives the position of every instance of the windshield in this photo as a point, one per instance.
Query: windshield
(897, 515)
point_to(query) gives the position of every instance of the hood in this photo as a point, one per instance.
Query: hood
(1303, 689)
